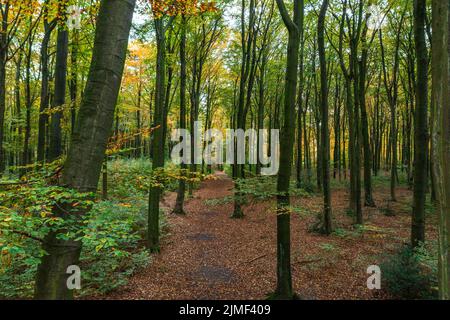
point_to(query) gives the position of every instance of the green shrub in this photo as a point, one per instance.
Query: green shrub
(128, 177)
(113, 232)
(410, 274)
(265, 188)
(112, 251)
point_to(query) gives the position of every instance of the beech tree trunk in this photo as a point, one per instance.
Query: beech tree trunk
(284, 277)
(327, 227)
(93, 128)
(441, 136)
(45, 95)
(421, 127)
(59, 98)
(183, 83)
(158, 136)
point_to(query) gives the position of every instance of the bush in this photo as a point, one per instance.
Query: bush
(113, 232)
(112, 251)
(410, 274)
(111, 245)
(128, 177)
(265, 188)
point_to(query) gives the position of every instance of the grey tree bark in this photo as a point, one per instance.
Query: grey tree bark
(89, 141)
(420, 127)
(293, 25)
(327, 227)
(441, 136)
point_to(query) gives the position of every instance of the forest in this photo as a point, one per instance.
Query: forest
(224, 150)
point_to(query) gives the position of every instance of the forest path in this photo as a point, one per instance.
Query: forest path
(208, 255)
(205, 254)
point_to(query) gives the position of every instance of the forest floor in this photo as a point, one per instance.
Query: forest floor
(207, 255)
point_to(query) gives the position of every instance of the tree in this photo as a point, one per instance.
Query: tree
(49, 26)
(293, 25)
(362, 65)
(164, 15)
(391, 86)
(59, 99)
(327, 227)
(183, 79)
(441, 136)
(420, 126)
(84, 161)
(353, 25)
(12, 15)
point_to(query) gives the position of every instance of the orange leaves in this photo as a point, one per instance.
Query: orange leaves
(181, 7)
(115, 144)
(208, 7)
(20, 9)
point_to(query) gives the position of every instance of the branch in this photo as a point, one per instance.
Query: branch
(285, 16)
(25, 234)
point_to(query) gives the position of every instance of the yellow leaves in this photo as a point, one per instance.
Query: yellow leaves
(5, 258)
(125, 205)
(45, 214)
(181, 7)
(116, 142)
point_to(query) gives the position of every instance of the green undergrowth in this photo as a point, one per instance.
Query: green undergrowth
(113, 233)
(256, 189)
(411, 274)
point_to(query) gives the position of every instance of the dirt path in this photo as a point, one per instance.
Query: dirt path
(207, 255)
(200, 257)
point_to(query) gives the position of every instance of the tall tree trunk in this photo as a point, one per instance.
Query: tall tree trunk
(158, 139)
(441, 136)
(138, 138)
(300, 110)
(327, 227)
(18, 102)
(369, 202)
(84, 161)
(420, 127)
(59, 98)
(337, 131)
(28, 103)
(284, 277)
(3, 56)
(74, 78)
(45, 95)
(179, 204)
(247, 42)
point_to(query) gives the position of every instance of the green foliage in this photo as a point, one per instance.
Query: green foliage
(133, 178)
(341, 233)
(111, 245)
(128, 177)
(411, 274)
(18, 266)
(260, 189)
(112, 250)
(327, 247)
(219, 201)
(112, 232)
(265, 188)
(302, 211)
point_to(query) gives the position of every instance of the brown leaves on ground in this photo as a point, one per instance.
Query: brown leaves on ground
(207, 255)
